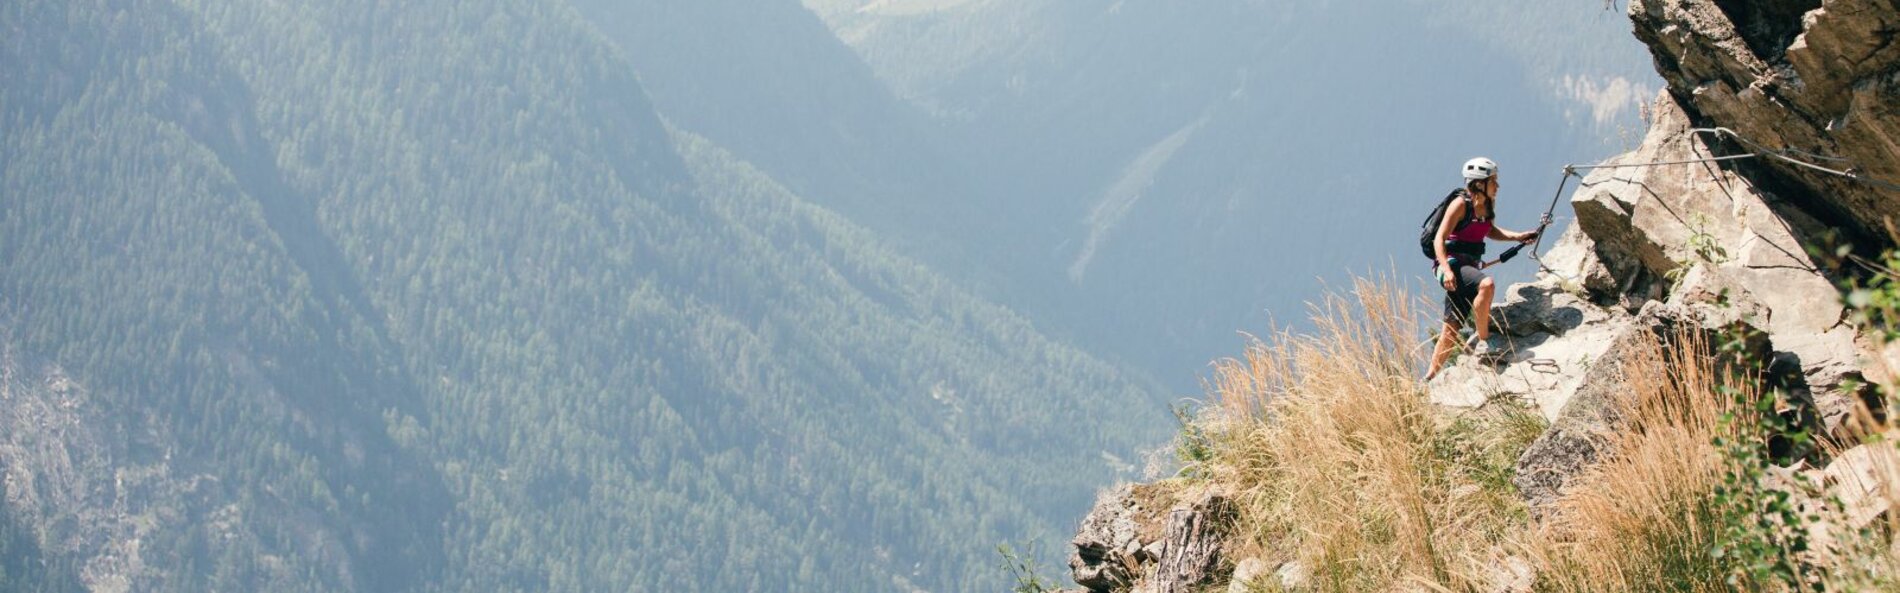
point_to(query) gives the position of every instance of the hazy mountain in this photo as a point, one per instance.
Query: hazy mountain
(1154, 176)
(428, 296)
(768, 80)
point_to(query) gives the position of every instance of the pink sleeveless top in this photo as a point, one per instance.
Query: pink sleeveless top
(1474, 231)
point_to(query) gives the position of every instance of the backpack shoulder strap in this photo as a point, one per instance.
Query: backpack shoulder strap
(1470, 213)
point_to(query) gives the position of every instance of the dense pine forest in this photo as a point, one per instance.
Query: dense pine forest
(427, 296)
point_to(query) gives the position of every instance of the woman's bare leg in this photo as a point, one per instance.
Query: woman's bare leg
(1481, 310)
(1447, 340)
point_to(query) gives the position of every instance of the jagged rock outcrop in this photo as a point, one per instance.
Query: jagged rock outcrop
(1109, 545)
(1814, 76)
(1703, 233)
(1191, 545)
(1822, 79)
(1136, 539)
(1577, 437)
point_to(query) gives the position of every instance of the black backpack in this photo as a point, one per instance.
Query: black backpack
(1428, 232)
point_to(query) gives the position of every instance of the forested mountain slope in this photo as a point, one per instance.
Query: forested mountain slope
(426, 296)
(767, 80)
(1128, 170)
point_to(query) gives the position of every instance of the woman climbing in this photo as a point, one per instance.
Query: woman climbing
(1460, 259)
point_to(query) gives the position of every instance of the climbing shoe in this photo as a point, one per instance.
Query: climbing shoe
(1481, 349)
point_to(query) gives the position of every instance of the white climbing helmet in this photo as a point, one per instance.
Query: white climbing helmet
(1480, 168)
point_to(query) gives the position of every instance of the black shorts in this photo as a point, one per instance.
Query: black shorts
(1458, 300)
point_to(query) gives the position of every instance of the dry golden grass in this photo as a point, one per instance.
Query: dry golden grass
(1337, 460)
(1643, 518)
(1647, 517)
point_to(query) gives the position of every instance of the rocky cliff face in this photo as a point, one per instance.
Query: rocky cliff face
(66, 464)
(1813, 89)
(1818, 77)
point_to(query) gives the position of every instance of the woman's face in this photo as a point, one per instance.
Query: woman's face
(1491, 186)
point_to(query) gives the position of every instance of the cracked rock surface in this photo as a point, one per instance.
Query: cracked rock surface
(1819, 77)
(1703, 233)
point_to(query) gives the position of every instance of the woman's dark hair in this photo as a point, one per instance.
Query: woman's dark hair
(1473, 188)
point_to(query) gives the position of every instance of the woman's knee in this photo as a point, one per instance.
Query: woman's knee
(1486, 285)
